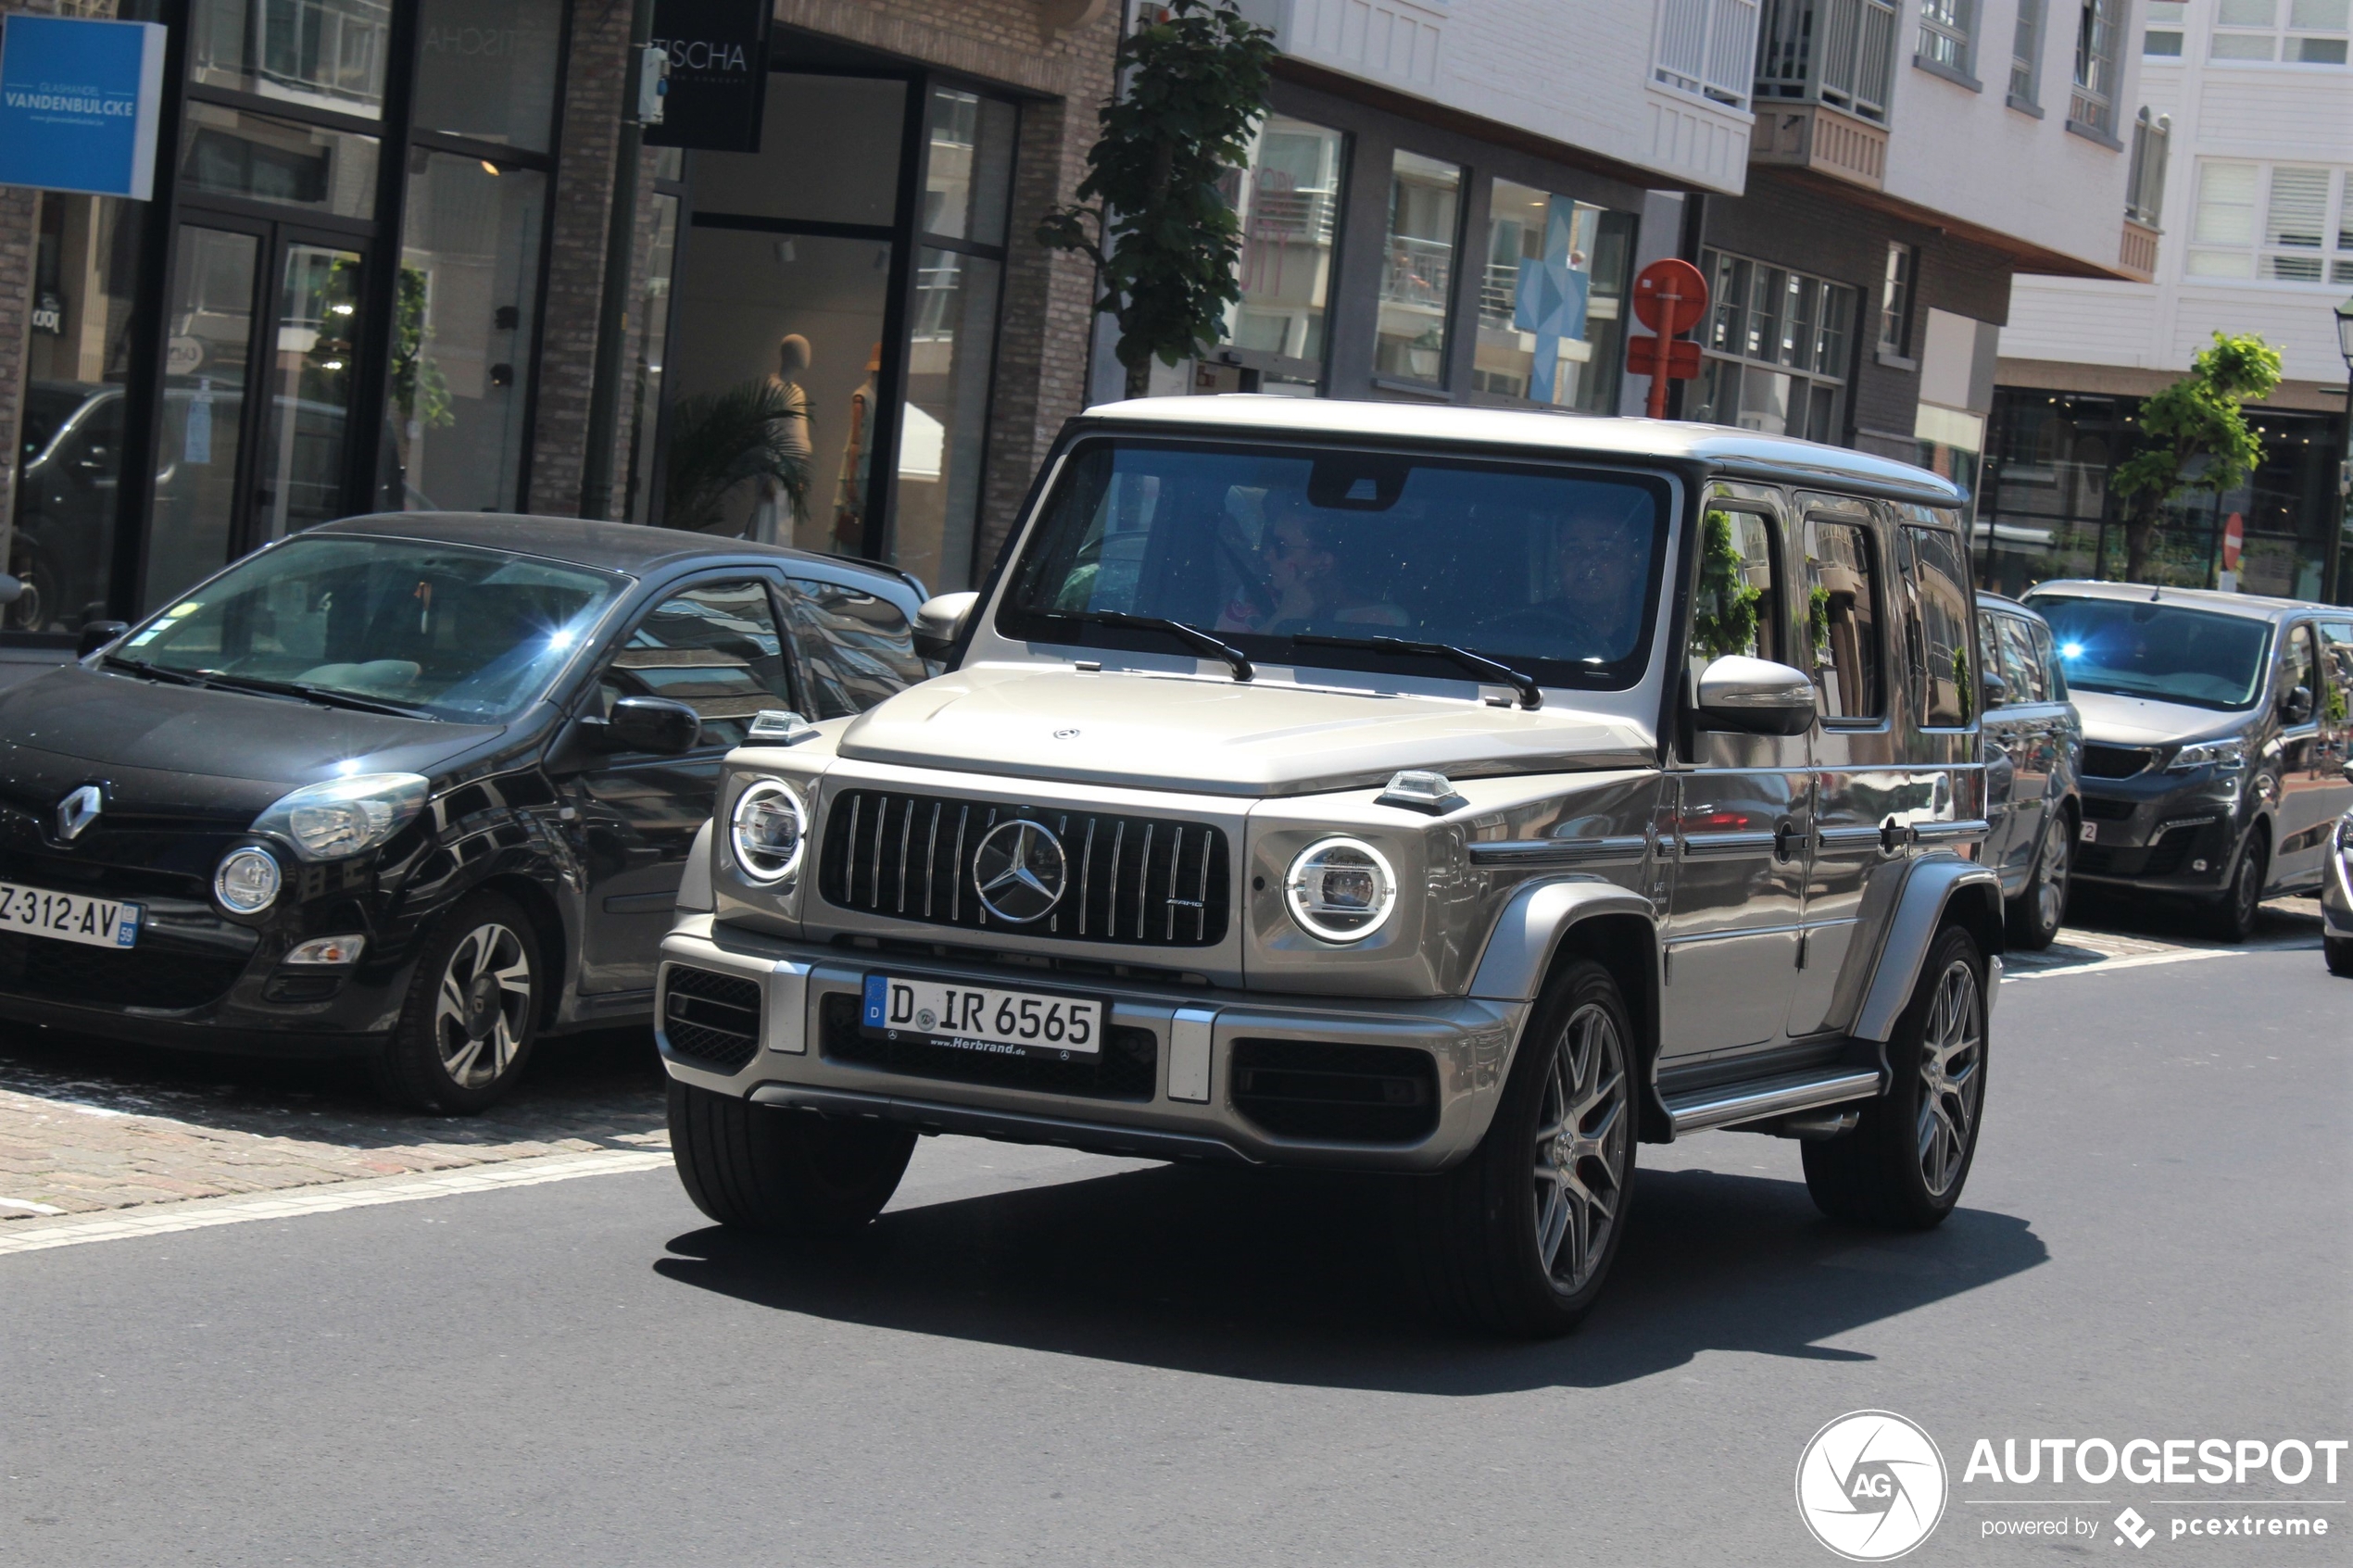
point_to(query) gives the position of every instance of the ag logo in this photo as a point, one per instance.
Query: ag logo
(1870, 1485)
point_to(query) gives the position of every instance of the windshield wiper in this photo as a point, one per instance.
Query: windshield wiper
(1192, 637)
(325, 695)
(1530, 693)
(152, 671)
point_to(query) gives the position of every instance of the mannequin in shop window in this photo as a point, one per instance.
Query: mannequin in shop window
(857, 463)
(772, 518)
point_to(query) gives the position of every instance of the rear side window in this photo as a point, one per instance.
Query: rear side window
(1945, 679)
(855, 647)
(1842, 619)
(2022, 666)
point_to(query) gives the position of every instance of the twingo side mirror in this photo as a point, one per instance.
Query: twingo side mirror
(1756, 696)
(941, 621)
(96, 634)
(649, 723)
(2296, 707)
(11, 589)
(1994, 690)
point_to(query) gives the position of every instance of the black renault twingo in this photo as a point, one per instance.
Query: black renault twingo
(415, 788)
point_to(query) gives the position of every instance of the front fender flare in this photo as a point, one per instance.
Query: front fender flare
(1931, 890)
(1519, 952)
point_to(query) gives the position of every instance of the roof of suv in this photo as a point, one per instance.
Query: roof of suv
(1778, 457)
(2254, 606)
(629, 548)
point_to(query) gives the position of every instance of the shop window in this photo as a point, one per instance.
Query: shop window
(464, 315)
(487, 71)
(1549, 301)
(69, 456)
(1842, 619)
(1287, 199)
(320, 53)
(209, 312)
(968, 166)
(652, 312)
(1418, 280)
(231, 153)
(829, 153)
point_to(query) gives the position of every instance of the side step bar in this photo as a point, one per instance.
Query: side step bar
(1724, 1104)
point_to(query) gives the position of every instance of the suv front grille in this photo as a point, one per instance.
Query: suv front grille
(2116, 761)
(1136, 880)
(1336, 1093)
(713, 1018)
(1129, 1067)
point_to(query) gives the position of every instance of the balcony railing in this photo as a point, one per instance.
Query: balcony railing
(1709, 47)
(1836, 52)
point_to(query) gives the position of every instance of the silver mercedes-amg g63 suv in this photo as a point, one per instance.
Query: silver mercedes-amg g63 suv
(1456, 793)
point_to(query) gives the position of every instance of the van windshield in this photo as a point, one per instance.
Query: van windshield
(2131, 647)
(441, 630)
(1548, 568)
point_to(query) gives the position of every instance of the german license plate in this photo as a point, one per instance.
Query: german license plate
(68, 917)
(2091, 833)
(981, 1018)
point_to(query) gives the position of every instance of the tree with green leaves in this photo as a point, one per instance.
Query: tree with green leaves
(1151, 214)
(2194, 436)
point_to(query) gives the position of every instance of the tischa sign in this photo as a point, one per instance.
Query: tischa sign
(718, 73)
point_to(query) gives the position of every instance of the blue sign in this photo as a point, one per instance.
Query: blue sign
(79, 102)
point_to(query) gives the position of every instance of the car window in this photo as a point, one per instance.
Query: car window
(2047, 655)
(1738, 608)
(1944, 681)
(855, 647)
(1989, 637)
(1843, 619)
(2022, 666)
(2300, 667)
(714, 647)
(2336, 658)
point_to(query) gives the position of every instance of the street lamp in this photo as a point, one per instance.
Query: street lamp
(2332, 568)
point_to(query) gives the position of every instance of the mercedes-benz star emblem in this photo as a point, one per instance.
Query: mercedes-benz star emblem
(77, 810)
(1018, 872)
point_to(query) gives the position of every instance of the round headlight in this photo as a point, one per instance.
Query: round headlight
(767, 830)
(1341, 889)
(246, 881)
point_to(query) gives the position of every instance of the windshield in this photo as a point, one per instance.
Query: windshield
(1549, 570)
(2131, 647)
(459, 634)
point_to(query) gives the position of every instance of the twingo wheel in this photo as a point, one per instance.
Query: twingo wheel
(2338, 953)
(472, 1014)
(1905, 1165)
(785, 1171)
(2035, 916)
(1518, 1238)
(2232, 917)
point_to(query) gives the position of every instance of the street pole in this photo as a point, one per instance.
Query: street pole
(612, 310)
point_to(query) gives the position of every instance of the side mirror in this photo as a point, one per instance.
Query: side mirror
(649, 723)
(1756, 696)
(2296, 707)
(96, 634)
(1995, 690)
(941, 620)
(2347, 770)
(11, 589)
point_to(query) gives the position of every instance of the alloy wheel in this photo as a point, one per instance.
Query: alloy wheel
(2050, 877)
(1952, 1084)
(1582, 1148)
(482, 1007)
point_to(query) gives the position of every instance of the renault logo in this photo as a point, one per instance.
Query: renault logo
(77, 810)
(1018, 872)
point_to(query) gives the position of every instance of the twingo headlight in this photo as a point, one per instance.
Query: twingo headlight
(2227, 755)
(344, 817)
(767, 830)
(1341, 889)
(246, 881)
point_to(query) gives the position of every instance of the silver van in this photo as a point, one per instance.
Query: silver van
(1455, 793)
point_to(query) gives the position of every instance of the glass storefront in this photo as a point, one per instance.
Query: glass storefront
(1287, 199)
(1548, 325)
(1417, 283)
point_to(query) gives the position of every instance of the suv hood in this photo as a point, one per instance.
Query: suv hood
(2139, 720)
(1214, 736)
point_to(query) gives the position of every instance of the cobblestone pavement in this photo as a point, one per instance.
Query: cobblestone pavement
(89, 1125)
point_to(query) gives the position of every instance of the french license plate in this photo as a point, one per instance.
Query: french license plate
(981, 1018)
(68, 917)
(2091, 831)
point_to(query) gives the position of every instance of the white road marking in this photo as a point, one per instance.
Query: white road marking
(29, 1205)
(162, 1219)
(2137, 960)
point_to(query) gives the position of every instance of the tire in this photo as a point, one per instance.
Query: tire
(786, 1172)
(1903, 1167)
(2338, 952)
(2232, 917)
(2035, 915)
(1504, 1251)
(472, 1014)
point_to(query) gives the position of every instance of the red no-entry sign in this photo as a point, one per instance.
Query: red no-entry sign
(1669, 298)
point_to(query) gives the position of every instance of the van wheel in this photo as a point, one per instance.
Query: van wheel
(2232, 917)
(2035, 915)
(2338, 952)
(785, 1171)
(472, 1012)
(1903, 1168)
(1520, 1239)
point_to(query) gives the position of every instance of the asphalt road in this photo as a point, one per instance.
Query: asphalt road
(1041, 1358)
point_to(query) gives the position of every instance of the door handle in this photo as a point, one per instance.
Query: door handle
(1894, 835)
(1788, 839)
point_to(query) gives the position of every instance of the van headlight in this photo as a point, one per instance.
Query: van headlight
(767, 830)
(2227, 755)
(1341, 889)
(344, 817)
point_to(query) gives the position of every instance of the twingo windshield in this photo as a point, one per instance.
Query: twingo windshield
(1549, 570)
(465, 634)
(2132, 648)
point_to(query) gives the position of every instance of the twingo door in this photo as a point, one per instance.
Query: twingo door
(1732, 919)
(1863, 788)
(713, 645)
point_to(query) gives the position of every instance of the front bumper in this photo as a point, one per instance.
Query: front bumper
(2159, 835)
(801, 1057)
